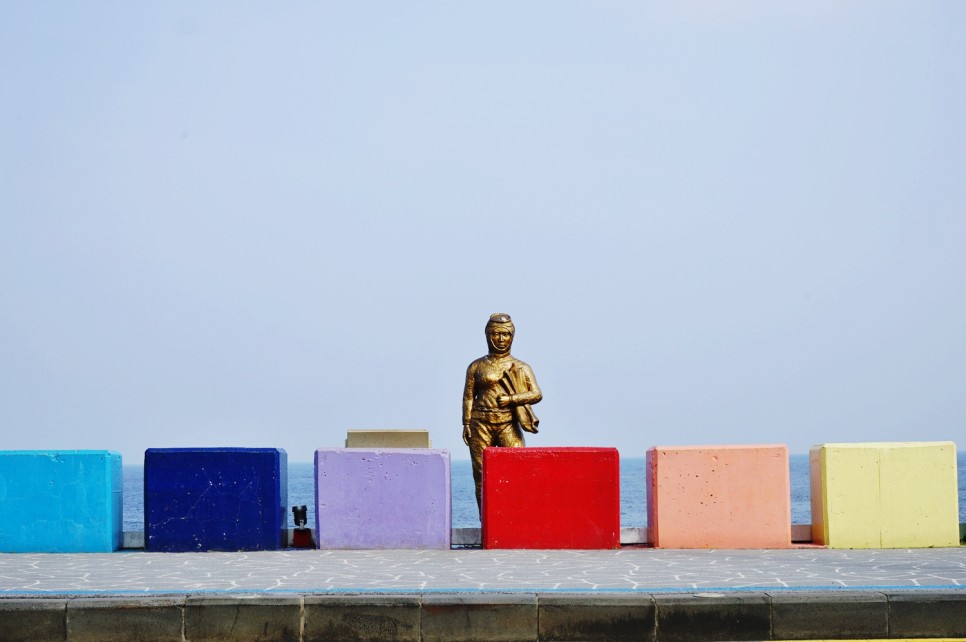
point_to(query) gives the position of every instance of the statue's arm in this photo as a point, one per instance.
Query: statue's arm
(532, 395)
(468, 401)
(468, 393)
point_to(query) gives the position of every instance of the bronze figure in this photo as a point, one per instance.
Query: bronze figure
(497, 396)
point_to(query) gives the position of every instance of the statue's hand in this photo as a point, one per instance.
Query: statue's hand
(466, 434)
(503, 401)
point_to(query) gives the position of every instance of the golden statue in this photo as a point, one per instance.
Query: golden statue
(497, 396)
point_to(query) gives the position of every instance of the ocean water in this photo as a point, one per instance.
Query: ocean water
(301, 490)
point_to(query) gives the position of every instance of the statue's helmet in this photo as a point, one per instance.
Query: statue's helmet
(500, 319)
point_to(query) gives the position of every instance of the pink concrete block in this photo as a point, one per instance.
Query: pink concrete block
(719, 497)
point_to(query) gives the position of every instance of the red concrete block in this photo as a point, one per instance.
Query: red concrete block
(551, 498)
(719, 497)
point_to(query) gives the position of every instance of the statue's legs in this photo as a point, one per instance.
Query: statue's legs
(483, 434)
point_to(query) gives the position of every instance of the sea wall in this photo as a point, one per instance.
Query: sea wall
(864, 496)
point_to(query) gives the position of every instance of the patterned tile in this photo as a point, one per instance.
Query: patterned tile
(628, 569)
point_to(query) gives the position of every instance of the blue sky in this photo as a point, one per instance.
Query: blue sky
(242, 224)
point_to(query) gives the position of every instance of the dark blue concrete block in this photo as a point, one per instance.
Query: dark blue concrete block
(215, 499)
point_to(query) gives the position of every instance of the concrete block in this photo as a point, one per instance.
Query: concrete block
(466, 537)
(927, 613)
(801, 533)
(919, 486)
(387, 439)
(591, 617)
(133, 540)
(854, 504)
(257, 618)
(806, 615)
(885, 495)
(364, 618)
(383, 498)
(60, 501)
(465, 617)
(713, 616)
(552, 498)
(633, 535)
(719, 496)
(215, 499)
(159, 619)
(32, 620)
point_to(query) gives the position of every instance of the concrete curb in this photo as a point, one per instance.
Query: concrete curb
(806, 615)
(478, 616)
(595, 617)
(254, 617)
(853, 614)
(33, 620)
(367, 618)
(147, 618)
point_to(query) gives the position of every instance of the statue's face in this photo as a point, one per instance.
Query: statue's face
(499, 338)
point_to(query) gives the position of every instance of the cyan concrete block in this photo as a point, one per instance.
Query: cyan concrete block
(60, 501)
(382, 498)
(215, 499)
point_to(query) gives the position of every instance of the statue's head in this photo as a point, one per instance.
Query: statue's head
(499, 333)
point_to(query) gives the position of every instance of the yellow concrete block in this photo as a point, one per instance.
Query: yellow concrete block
(847, 493)
(387, 439)
(885, 495)
(920, 491)
(815, 479)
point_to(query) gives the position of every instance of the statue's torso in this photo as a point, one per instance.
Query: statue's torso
(487, 378)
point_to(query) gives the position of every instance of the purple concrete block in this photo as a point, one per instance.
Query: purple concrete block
(382, 498)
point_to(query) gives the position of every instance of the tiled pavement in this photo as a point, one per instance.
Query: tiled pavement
(630, 569)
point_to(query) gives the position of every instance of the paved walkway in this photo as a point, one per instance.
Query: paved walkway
(630, 569)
